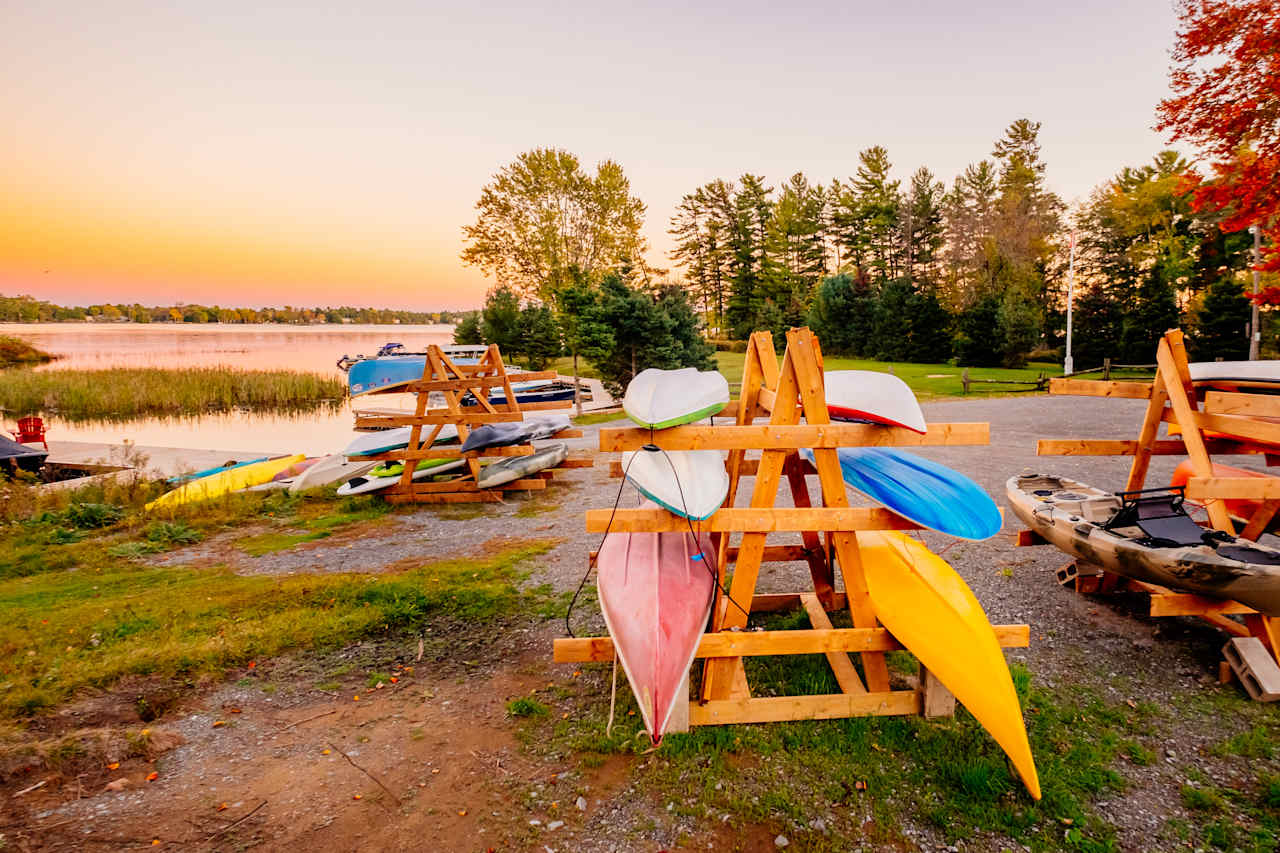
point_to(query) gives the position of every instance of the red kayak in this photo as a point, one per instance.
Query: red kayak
(1239, 508)
(874, 397)
(656, 592)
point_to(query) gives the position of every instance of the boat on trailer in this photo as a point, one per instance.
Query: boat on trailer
(393, 367)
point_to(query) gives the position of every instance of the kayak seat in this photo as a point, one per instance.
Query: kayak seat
(1159, 513)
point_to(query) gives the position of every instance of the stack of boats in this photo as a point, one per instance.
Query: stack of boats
(656, 590)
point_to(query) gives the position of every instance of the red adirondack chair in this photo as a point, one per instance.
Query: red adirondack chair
(31, 431)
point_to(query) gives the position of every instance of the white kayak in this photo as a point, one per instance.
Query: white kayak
(869, 395)
(368, 483)
(514, 467)
(690, 483)
(1235, 371)
(329, 471)
(387, 440)
(665, 398)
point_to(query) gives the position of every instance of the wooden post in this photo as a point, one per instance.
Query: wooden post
(964, 379)
(1106, 370)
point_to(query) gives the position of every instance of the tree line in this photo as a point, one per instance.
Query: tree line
(28, 309)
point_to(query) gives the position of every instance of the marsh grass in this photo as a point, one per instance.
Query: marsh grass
(124, 393)
(15, 352)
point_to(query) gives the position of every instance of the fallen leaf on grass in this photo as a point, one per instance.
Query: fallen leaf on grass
(462, 812)
(113, 765)
(153, 776)
(394, 680)
(860, 786)
(325, 751)
(1066, 821)
(356, 796)
(217, 723)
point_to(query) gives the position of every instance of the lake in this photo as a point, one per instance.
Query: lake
(264, 346)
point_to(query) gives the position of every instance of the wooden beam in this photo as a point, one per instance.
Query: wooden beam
(436, 416)
(813, 641)
(772, 554)
(775, 709)
(1231, 403)
(450, 451)
(1189, 604)
(420, 385)
(1100, 388)
(1240, 427)
(790, 437)
(749, 520)
(747, 468)
(1234, 488)
(1108, 447)
(1028, 538)
(841, 666)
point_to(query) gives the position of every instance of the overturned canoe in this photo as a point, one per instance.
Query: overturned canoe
(655, 592)
(1147, 537)
(665, 398)
(872, 396)
(690, 483)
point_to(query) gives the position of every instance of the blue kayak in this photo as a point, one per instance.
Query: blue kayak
(920, 490)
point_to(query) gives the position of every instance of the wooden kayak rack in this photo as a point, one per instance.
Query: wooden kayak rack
(454, 381)
(1202, 422)
(829, 535)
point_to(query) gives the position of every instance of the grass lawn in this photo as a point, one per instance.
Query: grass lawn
(83, 608)
(928, 381)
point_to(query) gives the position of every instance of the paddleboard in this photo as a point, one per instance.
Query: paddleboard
(369, 482)
(230, 480)
(329, 471)
(655, 592)
(387, 440)
(515, 467)
(868, 395)
(665, 398)
(929, 608)
(920, 490)
(690, 483)
(1262, 372)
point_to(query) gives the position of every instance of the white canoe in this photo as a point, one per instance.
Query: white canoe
(329, 471)
(393, 439)
(665, 398)
(868, 395)
(690, 483)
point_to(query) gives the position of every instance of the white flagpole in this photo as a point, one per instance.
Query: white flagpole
(1068, 366)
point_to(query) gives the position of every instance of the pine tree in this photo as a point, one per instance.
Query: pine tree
(1224, 319)
(500, 320)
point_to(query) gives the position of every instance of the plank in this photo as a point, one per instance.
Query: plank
(1261, 517)
(1240, 427)
(935, 699)
(1190, 604)
(469, 383)
(1238, 488)
(772, 554)
(775, 709)
(451, 451)
(747, 468)
(1163, 447)
(1101, 388)
(790, 437)
(841, 666)
(1235, 403)
(1028, 538)
(749, 520)
(436, 416)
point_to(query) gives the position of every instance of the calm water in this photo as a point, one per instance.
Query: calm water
(306, 348)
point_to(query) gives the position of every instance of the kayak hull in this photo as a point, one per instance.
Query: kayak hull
(655, 591)
(332, 470)
(515, 467)
(690, 483)
(369, 482)
(230, 480)
(1072, 515)
(659, 399)
(868, 395)
(920, 490)
(927, 606)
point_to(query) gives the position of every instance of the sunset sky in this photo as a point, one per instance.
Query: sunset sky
(271, 154)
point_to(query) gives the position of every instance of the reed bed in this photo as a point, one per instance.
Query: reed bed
(126, 393)
(15, 352)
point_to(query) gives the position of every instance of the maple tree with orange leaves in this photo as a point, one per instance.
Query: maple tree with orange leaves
(1226, 83)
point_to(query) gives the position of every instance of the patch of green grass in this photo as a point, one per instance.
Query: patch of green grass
(526, 706)
(65, 631)
(169, 533)
(310, 529)
(1257, 742)
(126, 393)
(1203, 799)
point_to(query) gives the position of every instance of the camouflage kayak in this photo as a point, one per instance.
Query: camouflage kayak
(1149, 537)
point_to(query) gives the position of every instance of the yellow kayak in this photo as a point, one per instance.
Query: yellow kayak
(931, 610)
(225, 481)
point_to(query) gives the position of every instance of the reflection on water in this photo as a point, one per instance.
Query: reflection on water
(261, 347)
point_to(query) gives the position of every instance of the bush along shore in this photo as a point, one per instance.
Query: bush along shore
(125, 393)
(15, 352)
